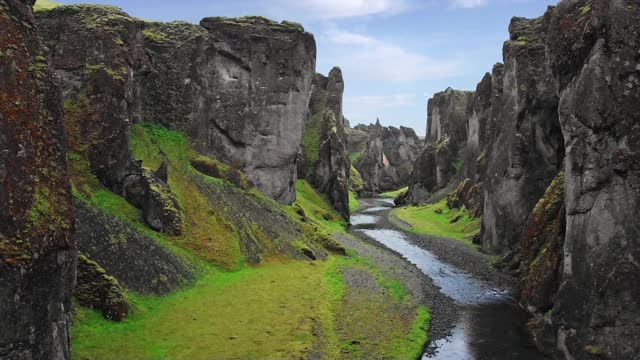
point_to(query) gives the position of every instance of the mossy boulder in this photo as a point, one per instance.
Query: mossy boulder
(95, 289)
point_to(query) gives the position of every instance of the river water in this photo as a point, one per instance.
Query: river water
(491, 325)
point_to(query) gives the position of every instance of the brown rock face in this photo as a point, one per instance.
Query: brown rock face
(37, 254)
(540, 253)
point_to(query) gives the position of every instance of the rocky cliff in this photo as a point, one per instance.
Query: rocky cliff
(37, 252)
(325, 161)
(593, 53)
(446, 138)
(566, 101)
(526, 148)
(384, 156)
(242, 96)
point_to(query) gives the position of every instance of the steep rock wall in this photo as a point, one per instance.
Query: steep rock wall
(325, 161)
(384, 155)
(593, 52)
(528, 148)
(242, 95)
(37, 252)
(446, 136)
(96, 51)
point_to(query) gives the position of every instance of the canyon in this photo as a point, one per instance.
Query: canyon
(164, 178)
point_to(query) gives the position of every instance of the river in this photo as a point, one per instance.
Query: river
(490, 324)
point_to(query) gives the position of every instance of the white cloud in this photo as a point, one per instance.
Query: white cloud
(362, 57)
(469, 4)
(335, 9)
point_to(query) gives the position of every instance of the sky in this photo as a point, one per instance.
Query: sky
(394, 54)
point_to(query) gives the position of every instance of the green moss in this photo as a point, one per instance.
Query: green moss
(218, 317)
(356, 183)
(354, 203)
(317, 209)
(394, 194)
(355, 156)
(436, 219)
(311, 138)
(154, 35)
(42, 5)
(92, 68)
(594, 350)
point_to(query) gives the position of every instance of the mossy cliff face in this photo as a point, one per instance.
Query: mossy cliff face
(96, 51)
(241, 97)
(37, 253)
(593, 52)
(325, 162)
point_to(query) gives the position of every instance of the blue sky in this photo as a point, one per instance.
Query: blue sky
(394, 54)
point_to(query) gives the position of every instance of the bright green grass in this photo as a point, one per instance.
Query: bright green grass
(311, 136)
(425, 220)
(354, 203)
(356, 183)
(317, 209)
(45, 5)
(263, 312)
(394, 194)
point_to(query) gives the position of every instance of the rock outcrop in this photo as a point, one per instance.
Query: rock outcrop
(525, 148)
(384, 156)
(446, 138)
(96, 51)
(325, 161)
(37, 252)
(96, 289)
(134, 259)
(593, 52)
(242, 95)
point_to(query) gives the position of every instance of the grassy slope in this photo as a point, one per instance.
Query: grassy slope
(317, 209)
(45, 5)
(426, 220)
(218, 317)
(394, 194)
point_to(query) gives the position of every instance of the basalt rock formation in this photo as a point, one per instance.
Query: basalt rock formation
(384, 156)
(325, 161)
(446, 137)
(242, 95)
(37, 252)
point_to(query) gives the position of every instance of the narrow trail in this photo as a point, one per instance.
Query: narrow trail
(474, 315)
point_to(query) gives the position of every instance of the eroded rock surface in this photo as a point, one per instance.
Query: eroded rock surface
(446, 137)
(37, 252)
(384, 156)
(242, 95)
(593, 52)
(325, 161)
